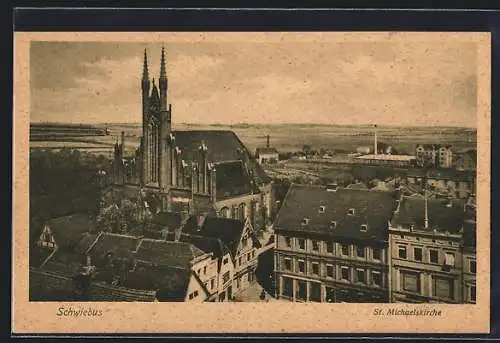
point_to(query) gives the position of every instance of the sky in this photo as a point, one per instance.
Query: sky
(417, 83)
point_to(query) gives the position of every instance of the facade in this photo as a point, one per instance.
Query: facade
(466, 160)
(426, 251)
(436, 155)
(193, 171)
(469, 262)
(331, 245)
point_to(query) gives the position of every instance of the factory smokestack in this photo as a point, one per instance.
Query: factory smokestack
(375, 148)
(267, 141)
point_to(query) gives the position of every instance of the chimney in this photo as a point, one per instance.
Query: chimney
(375, 149)
(267, 142)
(426, 212)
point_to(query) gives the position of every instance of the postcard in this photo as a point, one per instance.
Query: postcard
(313, 182)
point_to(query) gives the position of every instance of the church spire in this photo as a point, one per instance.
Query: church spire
(145, 73)
(163, 72)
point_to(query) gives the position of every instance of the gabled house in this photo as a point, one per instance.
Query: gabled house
(240, 239)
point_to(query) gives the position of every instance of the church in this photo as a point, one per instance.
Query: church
(199, 172)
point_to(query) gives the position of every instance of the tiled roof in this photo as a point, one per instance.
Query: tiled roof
(118, 245)
(232, 179)
(440, 216)
(86, 242)
(229, 231)
(311, 209)
(167, 253)
(222, 146)
(171, 283)
(206, 244)
(65, 263)
(37, 255)
(68, 230)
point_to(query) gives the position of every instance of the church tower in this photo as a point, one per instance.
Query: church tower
(165, 149)
(145, 143)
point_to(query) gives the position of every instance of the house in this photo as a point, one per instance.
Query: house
(222, 285)
(65, 232)
(436, 155)
(425, 250)
(461, 183)
(331, 244)
(466, 160)
(240, 239)
(267, 154)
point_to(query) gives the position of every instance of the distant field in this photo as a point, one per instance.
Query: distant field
(285, 138)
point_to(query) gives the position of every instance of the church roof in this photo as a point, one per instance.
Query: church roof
(223, 145)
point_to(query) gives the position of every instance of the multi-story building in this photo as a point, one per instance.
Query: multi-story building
(425, 250)
(461, 184)
(466, 160)
(469, 262)
(436, 155)
(331, 245)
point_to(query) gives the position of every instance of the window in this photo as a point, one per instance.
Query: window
(417, 254)
(302, 266)
(225, 261)
(351, 212)
(344, 273)
(288, 242)
(376, 253)
(287, 287)
(376, 278)
(360, 275)
(302, 243)
(345, 250)
(364, 227)
(329, 271)
(329, 247)
(472, 266)
(410, 282)
(199, 271)
(225, 277)
(402, 252)
(333, 224)
(315, 245)
(253, 253)
(315, 268)
(322, 209)
(360, 252)
(305, 221)
(433, 256)
(288, 263)
(244, 242)
(212, 284)
(301, 290)
(205, 270)
(472, 293)
(239, 261)
(449, 259)
(193, 295)
(248, 257)
(442, 287)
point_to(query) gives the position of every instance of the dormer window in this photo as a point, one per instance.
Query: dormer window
(364, 227)
(305, 221)
(333, 224)
(322, 209)
(351, 212)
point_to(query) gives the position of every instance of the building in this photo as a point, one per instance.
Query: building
(435, 155)
(466, 160)
(426, 242)
(469, 262)
(331, 245)
(267, 155)
(65, 232)
(461, 184)
(193, 171)
(240, 239)
(400, 161)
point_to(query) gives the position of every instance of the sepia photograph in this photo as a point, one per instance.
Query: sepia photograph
(265, 168)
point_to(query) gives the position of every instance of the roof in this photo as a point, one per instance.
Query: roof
(223, 145)
(86, 242)
(65, 263)
(68, 230)
(444, 174)
(387, 157)
(117, 244)
(232, 179)
(358, 185)
(440, 216)
(229, 231)
(167, 253)
(37, 255)
(171, 220)
(206, 244)
(266, 150)
(171, 283)
(372, 208)
(434, 146)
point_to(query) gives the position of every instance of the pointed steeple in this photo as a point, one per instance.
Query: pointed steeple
(145, 73)
(163, 71)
